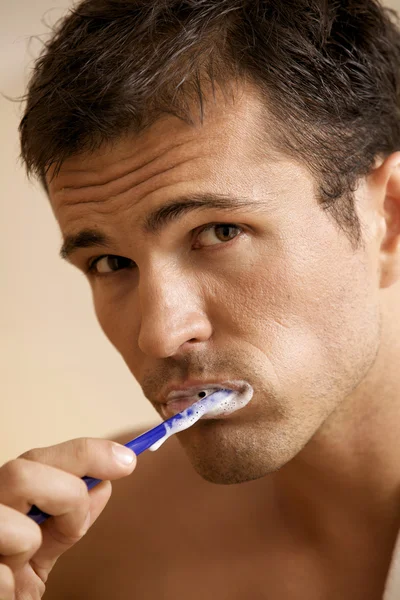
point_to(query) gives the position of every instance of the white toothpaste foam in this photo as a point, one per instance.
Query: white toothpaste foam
(222, 401)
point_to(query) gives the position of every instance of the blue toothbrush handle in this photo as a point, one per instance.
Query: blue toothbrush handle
(138, 445)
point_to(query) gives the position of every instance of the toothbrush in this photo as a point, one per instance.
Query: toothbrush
(155, 437)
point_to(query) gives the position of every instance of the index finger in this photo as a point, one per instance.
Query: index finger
(102, 459)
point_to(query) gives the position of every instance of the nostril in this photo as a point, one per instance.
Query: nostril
(202, 394)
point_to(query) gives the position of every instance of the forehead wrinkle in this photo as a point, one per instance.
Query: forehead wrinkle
(120, 173)
(91, 191)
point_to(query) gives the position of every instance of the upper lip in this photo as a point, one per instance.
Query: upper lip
(190, 388)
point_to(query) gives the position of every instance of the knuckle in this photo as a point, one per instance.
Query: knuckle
(15, 472)
(37, 535)
(18, 533)
(82, 449)
(33, 454)
(32, 537)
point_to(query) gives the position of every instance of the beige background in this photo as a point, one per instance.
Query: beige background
(59, 376)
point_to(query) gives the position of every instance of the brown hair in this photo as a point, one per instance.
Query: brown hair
(328, 70)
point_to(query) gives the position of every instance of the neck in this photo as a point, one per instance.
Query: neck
(348, 475)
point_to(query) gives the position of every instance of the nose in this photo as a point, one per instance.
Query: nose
(173, 316)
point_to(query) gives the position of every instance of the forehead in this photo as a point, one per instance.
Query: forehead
(228, 137)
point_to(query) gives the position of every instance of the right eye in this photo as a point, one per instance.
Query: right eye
(106, 264)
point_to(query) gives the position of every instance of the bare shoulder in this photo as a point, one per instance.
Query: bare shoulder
(123, 546)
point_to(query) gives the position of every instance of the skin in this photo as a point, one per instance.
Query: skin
(50, 478)
(287, 304)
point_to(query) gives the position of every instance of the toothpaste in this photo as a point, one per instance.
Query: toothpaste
(222, 401)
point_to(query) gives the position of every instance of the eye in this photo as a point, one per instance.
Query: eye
(217, 234)
(109, 264)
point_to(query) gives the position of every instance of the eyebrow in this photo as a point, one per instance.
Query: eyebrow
(87, 238)
(164, 215)
(159, 218)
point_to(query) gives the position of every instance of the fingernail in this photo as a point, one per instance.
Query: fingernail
(124, 455)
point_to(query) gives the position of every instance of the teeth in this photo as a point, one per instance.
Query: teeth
(237, 395)
(194, 392)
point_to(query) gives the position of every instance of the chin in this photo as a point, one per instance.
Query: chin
(227, 474)
(225, 453)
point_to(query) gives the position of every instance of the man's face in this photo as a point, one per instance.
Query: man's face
(268, 291)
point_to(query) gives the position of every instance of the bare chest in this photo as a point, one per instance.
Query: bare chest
(232, 574)
(195, 542)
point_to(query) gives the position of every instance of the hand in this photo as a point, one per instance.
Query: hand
(50, 479)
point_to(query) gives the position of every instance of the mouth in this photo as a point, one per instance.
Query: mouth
(178, 400)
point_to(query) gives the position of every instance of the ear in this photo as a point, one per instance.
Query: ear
(385, 180)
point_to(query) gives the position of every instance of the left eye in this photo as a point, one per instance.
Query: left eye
(218, 234)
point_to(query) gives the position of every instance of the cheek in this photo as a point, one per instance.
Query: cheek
(116, 316)
(312, 310)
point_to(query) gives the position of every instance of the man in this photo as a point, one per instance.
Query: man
(226, 173)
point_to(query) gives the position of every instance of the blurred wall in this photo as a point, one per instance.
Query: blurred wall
(59, 376)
